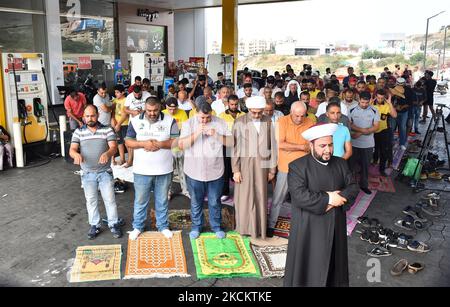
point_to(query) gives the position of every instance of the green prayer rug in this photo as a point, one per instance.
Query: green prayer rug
(224, 258)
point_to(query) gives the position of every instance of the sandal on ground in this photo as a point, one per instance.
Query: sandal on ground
(415, 267)
(404, 224)
(379, 252)
(399, 267)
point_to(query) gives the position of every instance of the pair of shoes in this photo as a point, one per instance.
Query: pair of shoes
(366, 190)
(116, 231)
(435, 175)
(270, 232)
(194, 234)
(379, 252)
(414, 214)
(418, 247)
(93, 232)
(133, 235)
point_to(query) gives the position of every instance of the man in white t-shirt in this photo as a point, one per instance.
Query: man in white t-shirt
(221, 105)
(104, 105)
(322, 109)
(134, 105)
(151, 136)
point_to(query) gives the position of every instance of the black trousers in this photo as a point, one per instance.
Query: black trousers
(228, 174)
(362, 157)
(382, 148)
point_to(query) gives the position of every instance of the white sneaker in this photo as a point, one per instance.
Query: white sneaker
(167, 233)
(133, 235)
(224, 197)
(403, 147)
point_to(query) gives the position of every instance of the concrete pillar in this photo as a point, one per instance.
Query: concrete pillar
(230, 38)
(54, 56)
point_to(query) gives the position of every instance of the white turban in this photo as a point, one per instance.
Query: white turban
(256, 102)
(288, 89)
(319, 131)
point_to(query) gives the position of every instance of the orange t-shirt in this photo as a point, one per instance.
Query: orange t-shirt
(289, 132)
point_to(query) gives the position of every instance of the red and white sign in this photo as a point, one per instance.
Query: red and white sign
(84, 62)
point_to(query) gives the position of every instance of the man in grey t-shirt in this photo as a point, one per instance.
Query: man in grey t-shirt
(104, 105)
(365, 121)
(93, 146)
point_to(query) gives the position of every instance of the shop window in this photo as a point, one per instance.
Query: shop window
(35, 5)
(146, 38)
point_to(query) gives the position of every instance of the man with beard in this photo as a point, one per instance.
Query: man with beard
(319, 184)
(292, 93)
(248, 92)
(280, 105)
(254, 165)
(134, 105)
(93, 146)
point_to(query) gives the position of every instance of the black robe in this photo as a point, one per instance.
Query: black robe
(317, 252)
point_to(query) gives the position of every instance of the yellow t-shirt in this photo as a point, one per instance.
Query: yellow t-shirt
(120, 105)
(229, 119)
(193, 112)
(313, 94)
(180, 117)
(312, 117)
(384, 110)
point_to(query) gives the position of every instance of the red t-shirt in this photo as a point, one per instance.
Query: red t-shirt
(75, 105)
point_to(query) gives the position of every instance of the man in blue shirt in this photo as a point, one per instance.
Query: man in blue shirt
(342, 140)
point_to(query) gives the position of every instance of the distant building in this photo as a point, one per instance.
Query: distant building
(292, 48)
(254, 47)
(392, 42)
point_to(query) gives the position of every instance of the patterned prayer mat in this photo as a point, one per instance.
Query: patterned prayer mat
(282, 227)
(154, 256)
(224, 258)
(360, 206)
(271, 260)
(96, 263)
(274, 241)
(381, 184)
(181, 219)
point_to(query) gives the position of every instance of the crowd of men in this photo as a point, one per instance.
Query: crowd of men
(213, 135)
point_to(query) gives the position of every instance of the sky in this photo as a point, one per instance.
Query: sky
(328, 21)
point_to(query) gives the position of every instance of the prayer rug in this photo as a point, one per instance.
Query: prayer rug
(397, 159)
(271, 260)
(154, 256)
(96, 263)
(181, 219)
(282, 227)
(374, 170)
(360, 206)
(224, 258)
(381, 184)
(274, 241)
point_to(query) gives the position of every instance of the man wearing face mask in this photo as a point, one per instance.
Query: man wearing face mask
(254, 165)
(320, 185)
(93, 146)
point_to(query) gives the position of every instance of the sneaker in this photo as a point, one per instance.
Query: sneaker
(220, 235)
(403, 147)
(224, 198)
(379, 252)
(404, 224)
(435, 175)
(423, 176)
(366, 190)
(194, 234)
(419, 247)
(119, 187)
(120, 222)
(414, 214)
(93, 232)
(167, 233)
(133, 235)
(116, 231)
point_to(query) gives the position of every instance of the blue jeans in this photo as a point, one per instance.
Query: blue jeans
(415, 117)
(91, 184)
(198, 190)
(142, 187)
(402, 120)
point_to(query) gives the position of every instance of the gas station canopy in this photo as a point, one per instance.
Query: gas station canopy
(192, 4)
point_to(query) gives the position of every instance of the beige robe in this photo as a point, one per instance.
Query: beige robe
(254, 155)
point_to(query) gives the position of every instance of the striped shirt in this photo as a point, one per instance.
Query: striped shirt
(92, 146)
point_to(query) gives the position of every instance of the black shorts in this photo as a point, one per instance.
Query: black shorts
(121, 135)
